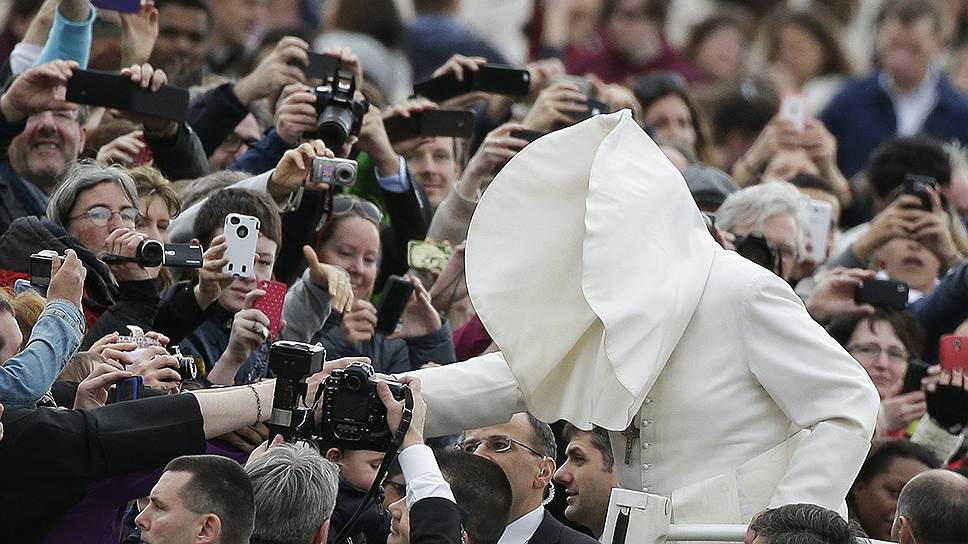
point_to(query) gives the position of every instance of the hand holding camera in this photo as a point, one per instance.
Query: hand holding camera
(149, 78)
(395, 409)
(359, 323)
(38, 89)
(67, 279)
(498, 147)
(162, 370)
(281, 67)
(125, 243)
(295, 169)
(295, 113)
(557, 105)
(212, 280)
(92, 392)
(834, 294)
(250, 329)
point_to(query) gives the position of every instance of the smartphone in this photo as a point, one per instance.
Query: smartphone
(393, 301)
(451, 123)
(954, 352)
(241, 235)
(528, 135)
(916, 185)
(116, 91)
(145, 156)
(132, 388)
(271, 304)
(490, 78)
(916, 371)
(887, 294)
(819, 221)
(793, 108)
(126, 6)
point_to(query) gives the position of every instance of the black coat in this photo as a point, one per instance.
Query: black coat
(435, 520)
(552, 531)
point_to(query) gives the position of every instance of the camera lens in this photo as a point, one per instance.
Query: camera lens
(151, 253)
(354, 383)
(345, 175)
(242, 231)
(234, 220)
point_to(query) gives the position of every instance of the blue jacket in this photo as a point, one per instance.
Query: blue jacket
(28, 375)
(943, 309)
(862, 116)
(210, 339)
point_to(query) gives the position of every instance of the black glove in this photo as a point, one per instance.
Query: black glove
(948, 407)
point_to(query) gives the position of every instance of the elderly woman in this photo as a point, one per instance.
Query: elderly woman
(94, 211)
(351, 241)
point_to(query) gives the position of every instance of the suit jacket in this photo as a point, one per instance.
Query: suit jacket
(552, 531)
(435, 520)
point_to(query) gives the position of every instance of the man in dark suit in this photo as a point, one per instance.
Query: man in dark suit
(464, 500)
(588, 476)
(525, 449)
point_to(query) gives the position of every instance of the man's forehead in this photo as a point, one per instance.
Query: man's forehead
(514, 428)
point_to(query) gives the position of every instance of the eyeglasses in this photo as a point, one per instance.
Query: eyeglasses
(497, 444)
(101, 216)
(873, 351)
(234, 142)
(345, 204)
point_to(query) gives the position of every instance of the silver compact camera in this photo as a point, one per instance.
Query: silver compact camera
(333, 171)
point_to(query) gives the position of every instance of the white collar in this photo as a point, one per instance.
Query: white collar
(522, 529)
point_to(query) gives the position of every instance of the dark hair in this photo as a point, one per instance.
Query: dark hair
(219, 486)
(432, 6)
(910, 11)
(599, 439)
(482, 491)
(657, 10)
(936, 506)
(805, 524)
(542, 437)
(201, 5)
(820, 26)
(376, 18)
(701, 31)
(804, 180)
(651, 87)
(746, 109)
(899, 156)
(211, 216)
(884, 453)
(907, 328)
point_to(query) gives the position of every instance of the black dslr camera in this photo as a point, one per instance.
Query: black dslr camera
(339, 114)
(293, 363)
(354, 417)
(757, 248)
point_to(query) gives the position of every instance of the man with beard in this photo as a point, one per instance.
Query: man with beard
(183, 32)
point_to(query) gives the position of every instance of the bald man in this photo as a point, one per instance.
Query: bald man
(932, 509)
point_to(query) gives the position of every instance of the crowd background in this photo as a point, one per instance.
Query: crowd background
(879, 91)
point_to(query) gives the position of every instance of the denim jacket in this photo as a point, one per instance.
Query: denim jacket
(28, 375)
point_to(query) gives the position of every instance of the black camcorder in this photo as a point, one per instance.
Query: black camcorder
(153, 253)
(339, 113)
(353, 416)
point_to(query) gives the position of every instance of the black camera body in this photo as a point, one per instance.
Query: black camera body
(187, 368)
(354, 417)
(339, 113)
(293, 363)
(41, 264)
(917, 185)
(757, 248)
(154, 253)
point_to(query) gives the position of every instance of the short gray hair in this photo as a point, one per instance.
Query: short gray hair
(295, 492)
(754, 205)
(81, 175)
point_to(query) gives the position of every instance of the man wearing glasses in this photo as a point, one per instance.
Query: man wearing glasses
(93, 212)
(525, 450)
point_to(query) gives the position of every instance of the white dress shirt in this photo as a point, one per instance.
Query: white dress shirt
(422, 474)
(522, 529)
(912, 109)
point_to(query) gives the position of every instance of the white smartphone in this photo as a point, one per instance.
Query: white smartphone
(241, 235)
(794, 108)
(819, 221)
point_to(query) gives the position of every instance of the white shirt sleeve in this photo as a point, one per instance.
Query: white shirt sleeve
(422, 475)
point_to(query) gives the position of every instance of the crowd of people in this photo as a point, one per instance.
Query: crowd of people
(823, 140)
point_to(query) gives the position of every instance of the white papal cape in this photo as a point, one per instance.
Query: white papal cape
(592, 269)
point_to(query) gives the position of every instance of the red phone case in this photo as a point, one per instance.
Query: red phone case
(271, 304)
(954, 352)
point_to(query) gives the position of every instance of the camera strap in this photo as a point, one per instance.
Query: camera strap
(388, 459)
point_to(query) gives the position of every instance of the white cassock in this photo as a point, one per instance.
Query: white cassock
(592, 269)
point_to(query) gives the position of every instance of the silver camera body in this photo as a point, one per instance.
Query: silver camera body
(333, 171)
